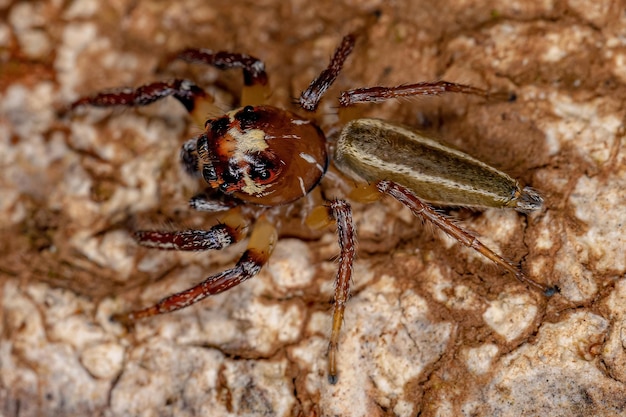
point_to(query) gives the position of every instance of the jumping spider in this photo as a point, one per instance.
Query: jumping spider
(265, 157)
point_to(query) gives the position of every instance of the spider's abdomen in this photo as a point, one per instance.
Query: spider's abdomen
(375, 150)
(262, 155)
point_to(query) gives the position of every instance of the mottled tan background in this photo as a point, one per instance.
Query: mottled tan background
(431, 329)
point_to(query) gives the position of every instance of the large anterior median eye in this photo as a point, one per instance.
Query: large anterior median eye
(260, 174)
(263, 171)
(247, 118)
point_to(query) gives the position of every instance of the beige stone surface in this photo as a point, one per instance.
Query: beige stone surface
(431, 329)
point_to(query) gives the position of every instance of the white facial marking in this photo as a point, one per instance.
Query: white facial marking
(307, 157)
(311, 160)
(248, 142)
(254, 189)
(302, 186)
(284, 137)
(251, 141)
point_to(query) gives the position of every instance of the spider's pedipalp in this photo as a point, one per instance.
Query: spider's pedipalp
(189, 157)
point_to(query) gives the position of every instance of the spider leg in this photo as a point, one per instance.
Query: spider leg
(212, 203)
(426, 212)
(310, 98)
(260, 247)
(197, 101)
(231, 229)
(255, 90)
(341, 211)
(378, 94)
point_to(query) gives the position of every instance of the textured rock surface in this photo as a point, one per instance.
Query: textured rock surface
(431, 329)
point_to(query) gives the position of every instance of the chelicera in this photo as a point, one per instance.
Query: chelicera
(258, 159)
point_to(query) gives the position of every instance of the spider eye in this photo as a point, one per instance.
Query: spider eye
(262, 171)
(247, 117)
(218, 127)
(260, 174)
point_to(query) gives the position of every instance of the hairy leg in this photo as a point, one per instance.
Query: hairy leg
(426, 212)
(342, 213)
(260, 247)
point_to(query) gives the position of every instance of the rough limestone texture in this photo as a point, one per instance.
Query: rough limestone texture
(432, 328)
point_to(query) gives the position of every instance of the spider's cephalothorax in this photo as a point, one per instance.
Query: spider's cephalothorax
(259, 154)
(266, 156)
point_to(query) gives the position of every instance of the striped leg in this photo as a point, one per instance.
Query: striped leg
(378, 94)
(255, 90)
(231, 229)
(260, 247)
(426, 212)
(197, 102)
(342, 213)
(310, 98)
(211, 203)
